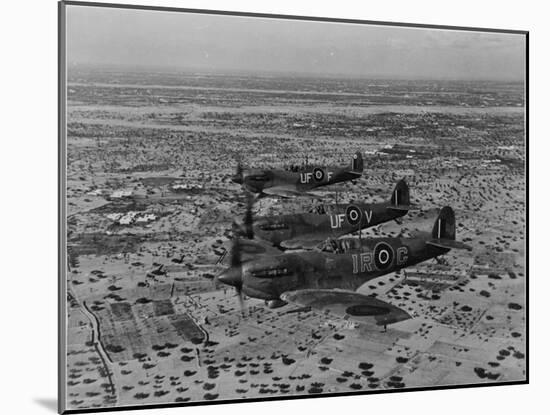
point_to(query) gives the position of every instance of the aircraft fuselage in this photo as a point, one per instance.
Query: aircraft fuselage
(337, 220)
(256, 181)
(267, 278)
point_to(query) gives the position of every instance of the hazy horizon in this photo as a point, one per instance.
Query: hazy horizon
(183, 42)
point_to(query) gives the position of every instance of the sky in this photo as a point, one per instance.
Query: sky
(189, 41)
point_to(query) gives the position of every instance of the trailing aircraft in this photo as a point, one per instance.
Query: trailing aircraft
(326, 280)
(284, 183)
(308, 230)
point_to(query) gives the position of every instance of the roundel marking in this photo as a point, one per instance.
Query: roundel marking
(318, 174)
(353, 215)
(383, 255)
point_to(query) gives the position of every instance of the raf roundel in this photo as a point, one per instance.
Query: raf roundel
(353, 215)
(383, 256)
(318, 174)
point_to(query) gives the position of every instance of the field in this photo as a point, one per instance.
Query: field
(150, 206)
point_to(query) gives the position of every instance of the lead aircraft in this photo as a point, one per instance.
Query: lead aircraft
(326, 280)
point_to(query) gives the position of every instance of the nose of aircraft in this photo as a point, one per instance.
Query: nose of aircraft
(231, 276)
(237, 178)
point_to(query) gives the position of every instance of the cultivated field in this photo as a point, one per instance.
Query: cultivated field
(150, 206)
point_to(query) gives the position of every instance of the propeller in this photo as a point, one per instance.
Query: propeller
(234, 274)
(238, 176)
(237, 268)
(240, 298)
(245, 228)
(248, 219)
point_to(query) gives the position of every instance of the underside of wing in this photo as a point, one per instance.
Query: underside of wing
(348, 304)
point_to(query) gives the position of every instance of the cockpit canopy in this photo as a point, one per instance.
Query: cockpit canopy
(342, 245)
(320, 209)
(260, 177)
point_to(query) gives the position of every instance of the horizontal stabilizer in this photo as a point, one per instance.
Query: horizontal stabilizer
(448, 244)
(404, 208)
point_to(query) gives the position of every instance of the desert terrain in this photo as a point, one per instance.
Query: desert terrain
(150, 205)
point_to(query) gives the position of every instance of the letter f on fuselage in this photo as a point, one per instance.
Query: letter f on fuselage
(283, 183)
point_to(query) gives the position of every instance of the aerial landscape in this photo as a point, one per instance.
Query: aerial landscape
(151, 202)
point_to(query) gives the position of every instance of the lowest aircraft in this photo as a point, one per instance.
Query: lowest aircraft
(308, 230)
(326, 280)
(287, 184)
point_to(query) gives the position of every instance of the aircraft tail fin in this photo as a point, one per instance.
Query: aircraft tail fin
(400, 197)
(400, 194)
(444, 226)
(357, 163)
(444, 231)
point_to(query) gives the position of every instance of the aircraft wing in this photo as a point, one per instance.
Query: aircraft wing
(255, 247)
(301, 243)
(347, 304)
(250, 249)
(286, 192)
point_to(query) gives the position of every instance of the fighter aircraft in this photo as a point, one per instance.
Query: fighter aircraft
(283, 183)
(308, 230)
(326, 280)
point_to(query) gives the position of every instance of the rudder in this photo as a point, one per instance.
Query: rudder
(357, 162)
(444, 226)
(400, 195)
